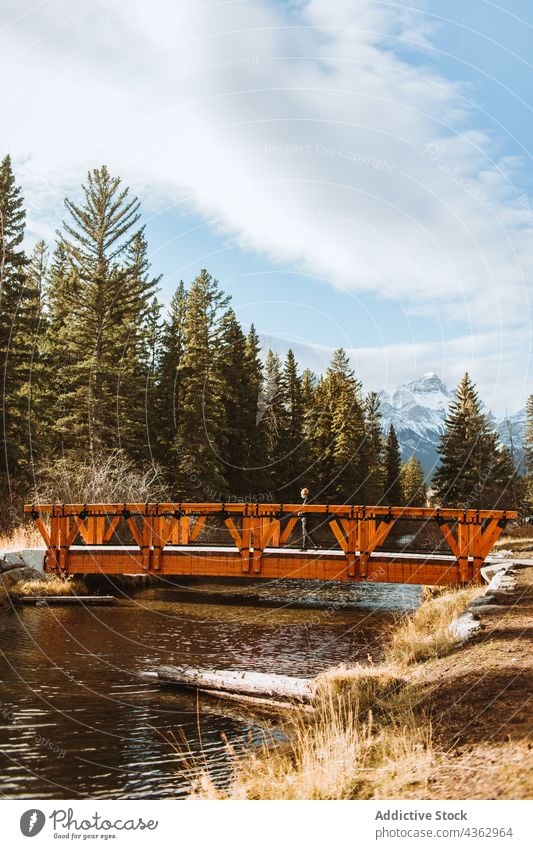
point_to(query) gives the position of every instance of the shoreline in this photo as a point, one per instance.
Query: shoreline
(479, 698)
(455, 726)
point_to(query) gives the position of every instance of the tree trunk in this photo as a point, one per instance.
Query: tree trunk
(257, 684)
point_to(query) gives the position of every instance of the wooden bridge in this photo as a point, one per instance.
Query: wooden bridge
(177, 539)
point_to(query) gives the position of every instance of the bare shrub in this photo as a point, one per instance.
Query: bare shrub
(109, 478)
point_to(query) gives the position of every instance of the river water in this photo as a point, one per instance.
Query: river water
(77, 720)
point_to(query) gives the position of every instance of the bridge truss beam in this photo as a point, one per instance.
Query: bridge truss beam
(166, 538)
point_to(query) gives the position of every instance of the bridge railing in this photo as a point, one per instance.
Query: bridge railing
(357, 530)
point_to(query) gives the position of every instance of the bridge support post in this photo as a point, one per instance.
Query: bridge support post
(52, 560)
(63, 523)
(158, 542)
(258, 544)
(246, 542)
(363, 545)
(147, 538)
(463, 549)
(351, 567)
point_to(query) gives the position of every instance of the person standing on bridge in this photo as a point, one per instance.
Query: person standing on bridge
(307, 536)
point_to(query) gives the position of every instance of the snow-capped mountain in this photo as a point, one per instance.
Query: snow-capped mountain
(512, 430)
(417, 410)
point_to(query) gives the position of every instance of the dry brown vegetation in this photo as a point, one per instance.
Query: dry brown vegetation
(362, 741)
(53, 585)
(426, 633)
(447, 721)
(517, 540)
(24, 536)
(107, 479)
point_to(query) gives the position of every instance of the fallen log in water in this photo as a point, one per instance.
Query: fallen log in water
(257, 685)
(256, 704)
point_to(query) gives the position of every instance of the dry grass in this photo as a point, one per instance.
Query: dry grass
(24, 536)
(516, 539)
(367, 738)
(426, 634)
(370, 687)
(344, 751)
(53, 585)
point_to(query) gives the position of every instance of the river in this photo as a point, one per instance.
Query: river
(78, 721)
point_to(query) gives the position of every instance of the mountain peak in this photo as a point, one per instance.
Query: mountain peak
(418, 412)
(429, 382)
(427, 391)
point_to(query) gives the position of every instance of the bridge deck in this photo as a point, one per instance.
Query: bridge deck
(224, 561)
(166, 539)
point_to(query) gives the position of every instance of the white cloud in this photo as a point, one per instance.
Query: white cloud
(490, 362)
(297, 127)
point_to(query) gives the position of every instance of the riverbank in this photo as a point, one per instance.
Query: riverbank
(445, 720)
(20, 582)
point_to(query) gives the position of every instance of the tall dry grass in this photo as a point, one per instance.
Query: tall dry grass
(53, 585)
(426, 633)
(345, 750)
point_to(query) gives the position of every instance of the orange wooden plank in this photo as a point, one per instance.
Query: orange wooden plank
(288, 529)
(234, 531)
(43, 530)
(198, 525)
(111, 528)
(341, 539)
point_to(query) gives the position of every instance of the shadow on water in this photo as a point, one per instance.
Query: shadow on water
(76, 720)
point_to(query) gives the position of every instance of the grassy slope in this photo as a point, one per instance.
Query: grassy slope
(437, 720)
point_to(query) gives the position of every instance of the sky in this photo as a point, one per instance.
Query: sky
(355, 173)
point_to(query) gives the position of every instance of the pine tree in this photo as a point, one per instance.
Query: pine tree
(321, 440)
(376, 444)
(168, 398)
(256, 461)
(140, 423)
(201, 427)
(295, 452)
(98, 313)
(13, 264)
(273, 419)
(474, 470)
(137, 424)
(393, 463)
(412, 482)
(237, 399)
(309, 384)
(31, 373)
(60, 288)
(339, 449)
(350, 450)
